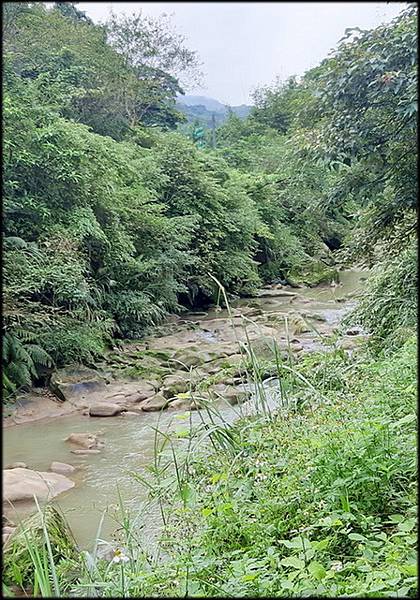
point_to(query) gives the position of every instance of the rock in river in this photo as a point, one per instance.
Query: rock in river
(103, 409)
(61, 468)
(23, 484)
(86, 440)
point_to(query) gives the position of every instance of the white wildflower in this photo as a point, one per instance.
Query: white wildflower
(119, 556)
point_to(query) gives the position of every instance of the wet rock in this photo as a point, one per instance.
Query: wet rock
(228, 381)
(251, 311)
(22, 484)
(180, 404)
(144, 390)
(186, 358)
(61, 468)
(6, 537)
(86, 451)
(235, 360)
(86, 440)
(130, 413)
(105, 410)
(155, 403)
(8, 530)
(296, 348)
(213, 367)
(73, 383)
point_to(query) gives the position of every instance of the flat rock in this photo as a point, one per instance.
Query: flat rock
(275, 292)
(22, 484)
(105, 410)
(61, 468)
(85, 451)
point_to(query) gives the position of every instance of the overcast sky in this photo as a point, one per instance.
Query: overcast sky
(246, 44)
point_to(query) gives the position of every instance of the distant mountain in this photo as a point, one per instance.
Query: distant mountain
(201, 109)
(208, 103)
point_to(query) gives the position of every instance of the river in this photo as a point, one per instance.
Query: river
(129, 440)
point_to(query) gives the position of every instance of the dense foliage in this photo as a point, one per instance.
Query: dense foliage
(112, 220)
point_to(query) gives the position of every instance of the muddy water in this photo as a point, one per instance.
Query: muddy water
(129, 440)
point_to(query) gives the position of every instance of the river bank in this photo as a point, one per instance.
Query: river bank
(207, 366)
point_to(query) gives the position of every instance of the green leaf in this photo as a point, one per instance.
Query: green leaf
(317, 570)
(357, 537)
(409, 569)
(293, 561)
(322, 544)
(407, 525)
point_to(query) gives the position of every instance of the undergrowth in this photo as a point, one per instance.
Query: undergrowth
(320, 500)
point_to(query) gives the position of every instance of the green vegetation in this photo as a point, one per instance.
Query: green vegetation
(317, 499)
(112, 221)
(115, 218)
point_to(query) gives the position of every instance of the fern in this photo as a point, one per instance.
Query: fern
(21, 360)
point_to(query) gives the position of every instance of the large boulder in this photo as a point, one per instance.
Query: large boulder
(184, 404)
(88, 441)
(105, 409)
(23, 484)
(74, 383)
(264, 347)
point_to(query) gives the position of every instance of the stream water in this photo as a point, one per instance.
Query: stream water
(129, 440)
